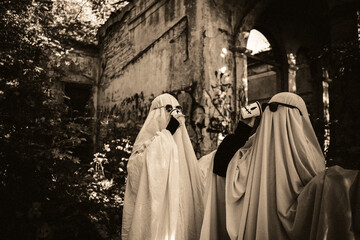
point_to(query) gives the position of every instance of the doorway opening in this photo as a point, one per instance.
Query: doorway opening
(77, 99)
(263, 69)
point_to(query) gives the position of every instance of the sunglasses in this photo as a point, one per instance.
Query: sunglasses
(273, 106)
(170, 108)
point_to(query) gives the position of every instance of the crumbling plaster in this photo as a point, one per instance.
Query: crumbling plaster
(196, 51)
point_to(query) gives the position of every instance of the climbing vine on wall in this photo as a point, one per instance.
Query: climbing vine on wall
(343, 60)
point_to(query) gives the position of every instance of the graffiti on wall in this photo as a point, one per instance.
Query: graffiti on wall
(129, 112)
(205, 118)
(209, 116)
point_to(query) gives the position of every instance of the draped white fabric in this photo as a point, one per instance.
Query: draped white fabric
(163, 197)
(265, 177)
(328, 207)
(214, 223)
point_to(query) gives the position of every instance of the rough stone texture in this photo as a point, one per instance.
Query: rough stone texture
(176, 46)
(152, 49)
(78, 66)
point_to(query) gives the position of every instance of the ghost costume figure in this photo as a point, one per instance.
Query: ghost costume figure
(213, 168)
(163, 197)
(265, 177)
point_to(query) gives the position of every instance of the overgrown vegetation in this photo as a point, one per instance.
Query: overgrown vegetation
(343, 60)
(51, 185)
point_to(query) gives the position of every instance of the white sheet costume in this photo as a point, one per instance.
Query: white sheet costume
(265, 177)
(214, 223)
(163, 197)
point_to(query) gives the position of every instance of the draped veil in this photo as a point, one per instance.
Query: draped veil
(163, 197)
(265, 177)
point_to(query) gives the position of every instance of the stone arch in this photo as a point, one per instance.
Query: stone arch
(297, 31)
(288, 26)
(264, 68)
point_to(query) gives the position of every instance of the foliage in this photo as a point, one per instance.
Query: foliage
(106, 186)
(343, 59)
(44, 155)
(79, 19)
(51, 187)
(109, 170)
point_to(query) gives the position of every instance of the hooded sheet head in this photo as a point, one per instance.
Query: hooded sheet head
(294, 125)
(157, 119)
(161, 160)
(268, 175)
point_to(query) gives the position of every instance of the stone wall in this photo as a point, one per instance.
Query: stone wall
(196, 50)
(76, 68)
(176, 46)
(80, 66)
(150, 48)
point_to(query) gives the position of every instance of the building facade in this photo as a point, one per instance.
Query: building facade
(215, 56)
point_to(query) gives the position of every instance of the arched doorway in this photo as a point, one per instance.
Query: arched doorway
(264, 71)
(278, 43)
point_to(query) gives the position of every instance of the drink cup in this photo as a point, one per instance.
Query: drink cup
(251, 110)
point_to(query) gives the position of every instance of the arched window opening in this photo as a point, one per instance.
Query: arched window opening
(263, 70)
(257, 42)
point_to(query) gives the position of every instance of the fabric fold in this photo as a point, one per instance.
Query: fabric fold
(163, 196)
(214, 223)
(155, 199)
(264, 180)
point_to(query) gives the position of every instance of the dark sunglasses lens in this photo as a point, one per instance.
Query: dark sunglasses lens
(263, 106)
(168, 107)
(273, 106)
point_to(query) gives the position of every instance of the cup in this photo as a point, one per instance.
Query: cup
(251, 110)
